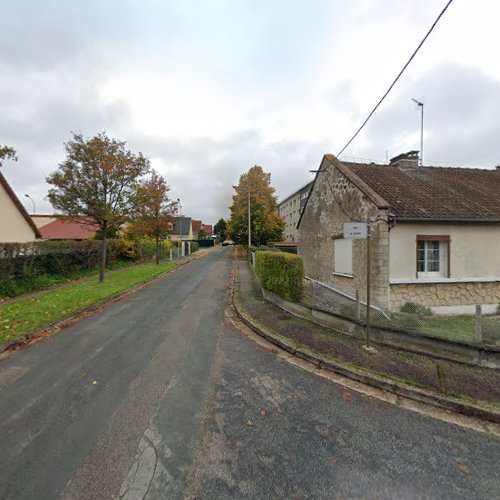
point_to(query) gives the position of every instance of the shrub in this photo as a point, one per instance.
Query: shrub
(205, 243)
(418, 309)
(194, 246)
(281, 273)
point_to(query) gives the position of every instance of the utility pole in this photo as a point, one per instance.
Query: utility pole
(368, 282)
(420, 104)
(249, 221)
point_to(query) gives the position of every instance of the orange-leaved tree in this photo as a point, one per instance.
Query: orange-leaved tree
(265, 222)
(96, 184)
(153, 210)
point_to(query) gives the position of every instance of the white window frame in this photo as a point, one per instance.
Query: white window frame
(443, 248)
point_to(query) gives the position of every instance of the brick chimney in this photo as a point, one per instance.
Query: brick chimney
(405, 160)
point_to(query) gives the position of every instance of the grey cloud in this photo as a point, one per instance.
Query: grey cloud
(462, 106)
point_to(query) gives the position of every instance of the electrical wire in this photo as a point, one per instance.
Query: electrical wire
(397, 78)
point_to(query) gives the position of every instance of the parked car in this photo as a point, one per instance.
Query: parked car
(225, 243)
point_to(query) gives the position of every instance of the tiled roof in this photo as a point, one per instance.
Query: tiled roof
(197, 226)
(433, 192)
(208, 228)
(61, 229)
(182, 225)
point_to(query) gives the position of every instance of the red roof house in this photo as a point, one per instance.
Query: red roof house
(208, 228)
(197, 225)
(61, 229)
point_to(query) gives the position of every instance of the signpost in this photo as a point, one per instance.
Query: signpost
(361, 231)
(355, 230)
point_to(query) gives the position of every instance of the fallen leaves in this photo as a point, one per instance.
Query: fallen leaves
(262, 413)
(249, 423)
(463, 468)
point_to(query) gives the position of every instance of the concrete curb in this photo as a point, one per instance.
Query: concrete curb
(364, 376)
(66, 321)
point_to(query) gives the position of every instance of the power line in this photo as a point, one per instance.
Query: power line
(397, 77)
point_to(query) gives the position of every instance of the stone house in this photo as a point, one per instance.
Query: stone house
(16, 225)
(435, 233)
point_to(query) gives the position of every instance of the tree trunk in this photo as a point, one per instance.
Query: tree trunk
(102, 264)
(157, 251)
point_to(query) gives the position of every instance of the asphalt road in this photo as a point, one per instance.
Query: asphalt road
(161, 396)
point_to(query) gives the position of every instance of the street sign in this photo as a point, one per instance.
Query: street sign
(355, 231)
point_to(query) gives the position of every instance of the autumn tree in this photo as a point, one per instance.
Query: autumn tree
(7, 153)
(266, 223)
(96, 184)
(153, 210)
(220, 229)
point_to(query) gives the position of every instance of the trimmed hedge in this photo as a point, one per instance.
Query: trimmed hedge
(281, 273)
(205, 243)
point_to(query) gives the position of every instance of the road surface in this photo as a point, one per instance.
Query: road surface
(161, 396)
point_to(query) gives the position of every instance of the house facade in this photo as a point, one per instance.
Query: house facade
(435, 233)
(16, 225)
(182, 229)
(291, 208)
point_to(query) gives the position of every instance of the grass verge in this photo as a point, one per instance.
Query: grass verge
(462, 328)
(34, 283)
(25, 315)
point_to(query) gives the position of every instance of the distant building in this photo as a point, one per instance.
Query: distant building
(197, 226)
(182, 229)
(291, 209)
(53, 227)
(209, 230)
(16, 225)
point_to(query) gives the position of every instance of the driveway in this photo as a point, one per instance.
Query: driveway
(161, 396)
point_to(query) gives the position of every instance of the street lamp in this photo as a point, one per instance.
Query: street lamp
(180, 225)
(420, 104)
(32, 201)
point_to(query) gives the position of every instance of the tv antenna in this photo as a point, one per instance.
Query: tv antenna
(420, 104)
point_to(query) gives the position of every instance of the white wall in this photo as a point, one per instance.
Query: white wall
(474, 250)
(13, 226)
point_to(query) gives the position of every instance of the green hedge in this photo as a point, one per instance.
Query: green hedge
(281, 273)
(205, 243)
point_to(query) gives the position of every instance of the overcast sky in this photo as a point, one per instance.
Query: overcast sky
(208, 88)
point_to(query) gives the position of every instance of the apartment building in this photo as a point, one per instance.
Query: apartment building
(291, 208)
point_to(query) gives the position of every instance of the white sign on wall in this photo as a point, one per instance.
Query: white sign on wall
(355, 230)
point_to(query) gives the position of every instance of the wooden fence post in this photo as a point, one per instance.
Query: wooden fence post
(479, 329)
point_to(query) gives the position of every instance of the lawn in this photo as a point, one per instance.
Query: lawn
(28, 314)
(462, 328)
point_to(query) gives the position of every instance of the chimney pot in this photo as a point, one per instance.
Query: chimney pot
(405, 160)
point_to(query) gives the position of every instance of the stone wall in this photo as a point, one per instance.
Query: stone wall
(333, 201)
(445, 294)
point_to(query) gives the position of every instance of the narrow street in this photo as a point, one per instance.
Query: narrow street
(161, 396)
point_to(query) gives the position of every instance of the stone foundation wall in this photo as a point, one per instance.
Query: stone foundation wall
(445, 294)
